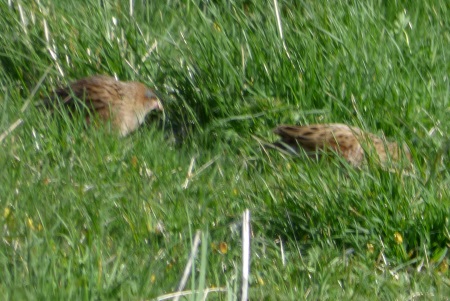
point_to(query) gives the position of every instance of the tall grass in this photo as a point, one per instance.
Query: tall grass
(85, 215)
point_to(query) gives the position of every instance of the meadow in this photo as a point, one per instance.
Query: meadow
(86, 215)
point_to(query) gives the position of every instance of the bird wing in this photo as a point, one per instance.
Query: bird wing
(338, 137)
(97, 92)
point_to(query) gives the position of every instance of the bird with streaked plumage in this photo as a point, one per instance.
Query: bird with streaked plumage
(349, 142)
(124, 104)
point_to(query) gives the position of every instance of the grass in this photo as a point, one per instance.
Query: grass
(86, 215)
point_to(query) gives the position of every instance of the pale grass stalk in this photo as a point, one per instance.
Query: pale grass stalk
(150, 51)
(187, 269)
(131, 8)
(189, 174)
(283, 257)
(280, 28)
(205, 166)
(19, 121)
(11, 128)
(188, 293)
(245, 253)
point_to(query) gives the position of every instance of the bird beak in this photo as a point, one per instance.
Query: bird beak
(159, 98)
(159, 105)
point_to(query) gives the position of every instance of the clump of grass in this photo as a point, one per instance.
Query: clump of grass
(86, 215)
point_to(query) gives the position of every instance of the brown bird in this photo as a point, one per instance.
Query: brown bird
(349, 142)
(125, 104)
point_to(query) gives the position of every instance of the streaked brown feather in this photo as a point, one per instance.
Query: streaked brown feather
(342, 139)
(124, 103)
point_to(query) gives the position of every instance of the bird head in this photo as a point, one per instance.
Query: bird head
(152, 101)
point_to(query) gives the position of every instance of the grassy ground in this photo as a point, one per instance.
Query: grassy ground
(85, 215)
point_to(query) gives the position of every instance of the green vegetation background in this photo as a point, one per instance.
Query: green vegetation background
(85, 215)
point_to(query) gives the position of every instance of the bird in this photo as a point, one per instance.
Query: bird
(124, 104)
(349, 142)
